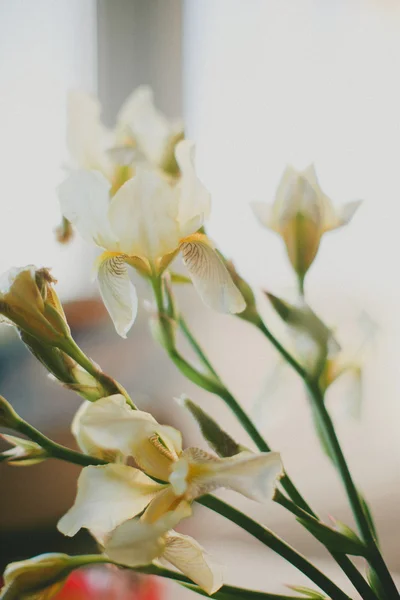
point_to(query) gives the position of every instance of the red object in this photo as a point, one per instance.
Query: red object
(109, 584)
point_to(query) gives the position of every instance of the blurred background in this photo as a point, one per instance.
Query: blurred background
(260, 83)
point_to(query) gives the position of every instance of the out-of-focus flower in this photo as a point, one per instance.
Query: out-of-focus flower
(301, 214)
(104, 583)
(24, 452)
(38, 578)
(155, 135)
(145, 225)
(28, 300)
(110, 495)
(142, 134)
(313, 341)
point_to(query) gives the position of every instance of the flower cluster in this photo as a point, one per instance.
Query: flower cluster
(161, 489)
(134, 193)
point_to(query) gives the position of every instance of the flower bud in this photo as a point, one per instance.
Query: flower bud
(301, 213)
(24, 453)
(8, 416)
(40, 577)
(28, 301)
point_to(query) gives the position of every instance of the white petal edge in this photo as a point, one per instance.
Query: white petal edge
(264, 214)
(210, 277)
(343, 215)
(84, 199)
(252, 475)
(118, 293)
(107, 496)
(184, 553)
(194, 198)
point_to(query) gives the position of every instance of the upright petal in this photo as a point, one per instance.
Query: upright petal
(253, 475)
(111, 425)
(192, 560)
(84, 198)
(108, 496)
(117, 290)
(150, 128)
(194, 199)
(143, 214)
(138, 542)
(87, 138)
(210, 276)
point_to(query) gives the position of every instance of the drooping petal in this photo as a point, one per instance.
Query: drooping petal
(110, 424)
(210, 276)
(253, 475)
(143, 215)
(84, 198)
(150, 128)
(117, 291)
(194, 199)
(87, 138)
(107, 496)
(192, 560)
(138, 542)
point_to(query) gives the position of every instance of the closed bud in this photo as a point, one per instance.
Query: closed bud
(301, 213)
(38, 578)
(24, 452)
(28, 301)
(8, 416)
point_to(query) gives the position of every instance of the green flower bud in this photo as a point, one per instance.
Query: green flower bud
(8, 416)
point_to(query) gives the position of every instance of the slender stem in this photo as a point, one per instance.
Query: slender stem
(57, 450)
(343, 561)
(354, 499)
(269, 539)
(363, 524)
(196, 347)
(109, 384)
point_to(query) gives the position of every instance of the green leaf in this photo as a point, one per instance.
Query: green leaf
(220, 441)
(376, 585)
(333, 540)
(368, 516)
(308, 592)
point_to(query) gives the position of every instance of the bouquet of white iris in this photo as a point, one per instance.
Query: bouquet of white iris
(134, 193)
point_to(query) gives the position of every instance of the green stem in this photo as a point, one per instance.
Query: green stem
(326, 422)
(343, 561)
(110, 386)
(57, 450)
(269, 539)
(196, 347)
(363, 524)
